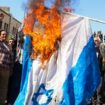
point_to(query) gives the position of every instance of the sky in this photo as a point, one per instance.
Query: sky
(90, 8)
(16, 7)
(94, 9)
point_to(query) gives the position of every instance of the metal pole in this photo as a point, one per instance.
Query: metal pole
(96, 20)
(92, 19)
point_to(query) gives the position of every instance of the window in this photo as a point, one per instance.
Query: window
(0, 24)
(14, 31)
(6, 27)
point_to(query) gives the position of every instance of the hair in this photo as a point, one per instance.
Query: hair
(11, 39)
(2, 31)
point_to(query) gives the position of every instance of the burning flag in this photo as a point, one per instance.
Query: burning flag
(44, 26)
(60, 65)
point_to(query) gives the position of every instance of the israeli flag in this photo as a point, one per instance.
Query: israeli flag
(72, 73)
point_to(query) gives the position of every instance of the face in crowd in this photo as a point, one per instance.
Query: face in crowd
(3, 35)
(11, 42)
(97, 41)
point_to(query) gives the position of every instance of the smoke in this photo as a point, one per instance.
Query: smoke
(59, 4)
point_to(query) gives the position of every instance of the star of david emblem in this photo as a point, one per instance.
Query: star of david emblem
(42, 91)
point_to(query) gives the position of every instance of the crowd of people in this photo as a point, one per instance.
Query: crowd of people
(11, 68)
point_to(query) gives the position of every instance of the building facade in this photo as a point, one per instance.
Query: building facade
(8, 22)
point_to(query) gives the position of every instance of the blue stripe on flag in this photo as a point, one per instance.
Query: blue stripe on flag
(26, 56)
(22, 95)
(83, 79)
(27, 64)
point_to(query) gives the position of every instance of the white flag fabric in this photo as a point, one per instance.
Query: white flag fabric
(72, 73)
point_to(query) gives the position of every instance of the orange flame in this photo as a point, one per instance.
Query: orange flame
(44, 26)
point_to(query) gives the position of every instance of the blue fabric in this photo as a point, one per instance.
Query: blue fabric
(21, 98)
(26, 56)
(80, 84)
(42, 91)
(27, 64)
(83, 79)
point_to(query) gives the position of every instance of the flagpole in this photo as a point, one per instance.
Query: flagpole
(92, 19)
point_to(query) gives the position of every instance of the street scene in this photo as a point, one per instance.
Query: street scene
(52, 52)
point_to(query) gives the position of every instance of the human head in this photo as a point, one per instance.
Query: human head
(97, 41)
(3, 35)
(11, 42)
